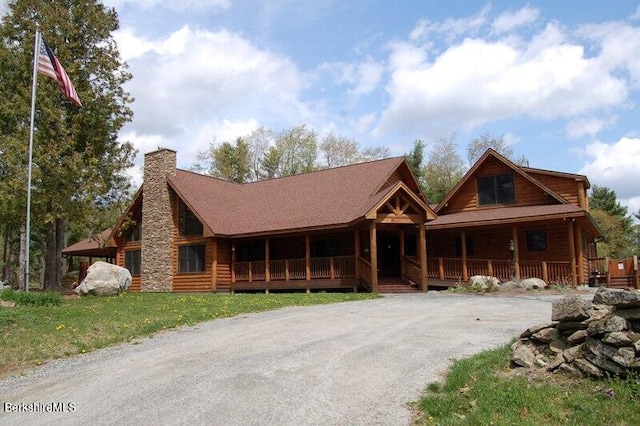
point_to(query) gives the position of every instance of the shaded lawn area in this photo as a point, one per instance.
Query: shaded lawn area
(30, 335)
(480, 391)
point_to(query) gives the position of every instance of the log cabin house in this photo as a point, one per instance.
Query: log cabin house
(362, 226)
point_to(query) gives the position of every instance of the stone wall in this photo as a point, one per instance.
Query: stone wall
(586, 337)
(157, 222)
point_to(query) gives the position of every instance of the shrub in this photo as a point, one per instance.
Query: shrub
(47, 298)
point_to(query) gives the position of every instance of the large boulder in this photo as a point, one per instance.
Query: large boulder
(570, 308)
(618, 298)
(105, 279)
(533, 284)
(484, 283)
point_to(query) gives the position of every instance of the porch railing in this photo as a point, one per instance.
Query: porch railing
(296, 269)
(453, 268)
(412, 270)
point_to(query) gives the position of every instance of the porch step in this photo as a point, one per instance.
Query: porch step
(397, 286)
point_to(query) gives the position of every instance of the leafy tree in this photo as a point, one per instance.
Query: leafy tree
(612, 218)
(616, 241)
(259, 141)
(478, 146)
(226, 161)
(415, 158)
(606, 199)
(270, 164)
(338, 151)
(374, 153)
(77, 157)
(443, 169)
(297, 149)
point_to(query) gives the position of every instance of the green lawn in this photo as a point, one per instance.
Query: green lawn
(31, 334)
(479, 391)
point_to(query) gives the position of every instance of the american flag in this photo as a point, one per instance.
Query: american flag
(49, 65)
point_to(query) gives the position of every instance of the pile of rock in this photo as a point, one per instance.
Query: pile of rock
(487, 284)
(585, 337)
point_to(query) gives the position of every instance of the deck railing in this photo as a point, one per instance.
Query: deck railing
(453, 269)
(296, 269)
(412, 270)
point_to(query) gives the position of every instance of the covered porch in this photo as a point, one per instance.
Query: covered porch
(387, 247)
(557, 250)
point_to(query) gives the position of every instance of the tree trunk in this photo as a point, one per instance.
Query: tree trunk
(5, 255)
(22, 259)
(61, 240)
(50, 273)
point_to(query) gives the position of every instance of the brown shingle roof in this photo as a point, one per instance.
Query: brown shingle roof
(505, 215)
(97, 246)
(326, 198)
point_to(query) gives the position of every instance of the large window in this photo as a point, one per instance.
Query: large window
(132, 261)
(191, 258)
(537, 241)
(188, 223)
(498, 189)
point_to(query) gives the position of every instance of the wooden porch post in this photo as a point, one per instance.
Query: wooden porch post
(233, 262)
(307, 249)
(373, 251)
(577, 237)
(214, 265)
(402, 271)
(463, 245)
(572, 251)
(423, 257)
(267, 269)
(516, 252)
(356, 249)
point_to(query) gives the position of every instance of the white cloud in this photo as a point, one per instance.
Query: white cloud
(619, 45)
(130, 45)
(615, 166)
(477, 80)
(585, 126)
(363, 123)
(450, 28)
(193, 75)
(363, 77)
(636, 14)
(633, 206)
(509, 21)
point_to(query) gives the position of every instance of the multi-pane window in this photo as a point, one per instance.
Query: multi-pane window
(191, 258)
(188, 223)
(537, 241)
(498, 189)
(132, 261)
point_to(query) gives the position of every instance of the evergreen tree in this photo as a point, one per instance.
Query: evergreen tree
(77, 158)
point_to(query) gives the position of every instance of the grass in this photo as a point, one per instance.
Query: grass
(478, 391)
(33, 332)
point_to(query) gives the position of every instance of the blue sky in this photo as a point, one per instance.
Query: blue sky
(560, 79)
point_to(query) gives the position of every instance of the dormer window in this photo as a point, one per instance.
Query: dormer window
(188, 223)
(498, 189)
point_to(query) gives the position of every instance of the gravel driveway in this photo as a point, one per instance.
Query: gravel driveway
(346, 363)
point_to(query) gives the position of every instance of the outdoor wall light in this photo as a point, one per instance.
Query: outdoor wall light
(512, 246)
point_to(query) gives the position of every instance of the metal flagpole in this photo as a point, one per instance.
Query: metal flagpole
(33, 113)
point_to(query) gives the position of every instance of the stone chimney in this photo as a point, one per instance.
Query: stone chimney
(157, 221)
